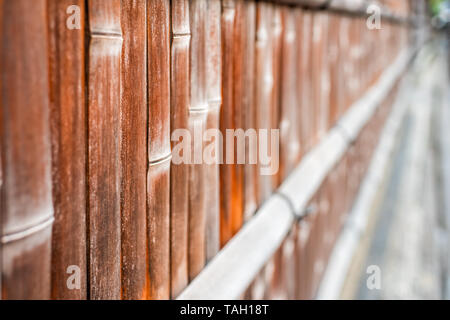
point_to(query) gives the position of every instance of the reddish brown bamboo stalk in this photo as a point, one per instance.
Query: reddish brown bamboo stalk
(333, 62)
(248, 107)
(26, 208)
(214, 95)
(68, 131)
(179, 175)
(264, 86)
(289, 108)
(159, 150)
(103, 86)
(227, 192)
(320, 76)
(344, 66)
(299, 80)
(198, 111)
(134, 150)
(306, 123)
(237, 114)
(276, 32)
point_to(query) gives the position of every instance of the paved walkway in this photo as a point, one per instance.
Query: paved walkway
(411, 238)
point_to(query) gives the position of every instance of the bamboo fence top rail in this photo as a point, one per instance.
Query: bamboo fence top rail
(353, 7)
(236, 265)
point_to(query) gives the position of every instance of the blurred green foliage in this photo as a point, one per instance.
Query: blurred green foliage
(435, 6)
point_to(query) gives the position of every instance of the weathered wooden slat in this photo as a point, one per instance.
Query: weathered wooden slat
(276, 29)
(226, 120)
(264, 84)
(159, 149)
(272, 277)
(304, 84)
(289, 262)
(333, 64)
(289, 109)
(313, 244)
(179, 175)
(320, 76)
(198, 111)
(214, 95)
(133, 117)
(300, 79)
(103, 87)
(344, 65)
(1, 214)
(27, 210)
(352, 83)
(249, 107)
(68, 131)
(300, 263)
(236, 114)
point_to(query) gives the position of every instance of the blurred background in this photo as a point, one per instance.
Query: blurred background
(406, 240)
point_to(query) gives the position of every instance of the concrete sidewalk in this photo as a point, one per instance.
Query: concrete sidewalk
(399, 225)
(411, 231)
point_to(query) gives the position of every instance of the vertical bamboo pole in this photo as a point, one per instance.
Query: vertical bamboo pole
(159, 149)
(214, 96)
(26, 208)
(276, 31)
(248, 107)
(198, 111)
(68, 131)
(227, 193)
(104, 51)
(306, 124)
(333, 63)
(179, 175)
(133, 117)
(237, 113)
(264, 86)
(289, 144)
